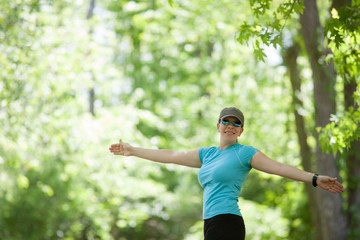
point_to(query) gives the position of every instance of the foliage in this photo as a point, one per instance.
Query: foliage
(266, 27)
(343, 32)
(341, 132)
(161, 74)
(341, 36)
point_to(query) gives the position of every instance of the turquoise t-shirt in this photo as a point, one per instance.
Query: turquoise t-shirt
(222, 175)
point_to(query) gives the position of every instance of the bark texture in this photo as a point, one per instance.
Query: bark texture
(352, 158)
(91, 92)
(290, 57)
(333, 221)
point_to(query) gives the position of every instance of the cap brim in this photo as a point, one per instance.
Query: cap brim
(230, 115)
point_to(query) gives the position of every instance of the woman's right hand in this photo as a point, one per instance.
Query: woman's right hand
(121, 148)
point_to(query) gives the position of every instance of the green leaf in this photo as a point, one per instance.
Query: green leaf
(22, 181)
(259, 54)
(171, 2)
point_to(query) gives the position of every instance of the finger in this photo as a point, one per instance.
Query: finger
(333, 179)
(332, 189)
(117, 152)
(121, 146)
(113, 149)
(338, 184)
(337, 189)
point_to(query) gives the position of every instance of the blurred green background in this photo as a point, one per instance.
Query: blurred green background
(76, 76)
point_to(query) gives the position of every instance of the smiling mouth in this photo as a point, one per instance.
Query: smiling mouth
(229, 132)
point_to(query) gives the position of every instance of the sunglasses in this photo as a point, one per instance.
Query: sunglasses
(226, 122)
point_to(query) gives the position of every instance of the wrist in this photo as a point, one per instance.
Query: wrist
(132, 151)
(314, 179)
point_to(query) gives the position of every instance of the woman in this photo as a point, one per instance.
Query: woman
(223, 170)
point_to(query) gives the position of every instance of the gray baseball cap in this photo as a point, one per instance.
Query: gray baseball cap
(232, 112)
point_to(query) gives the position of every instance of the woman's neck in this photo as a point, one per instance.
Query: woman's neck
(224, 145)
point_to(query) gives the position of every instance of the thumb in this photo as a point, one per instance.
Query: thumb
(333, 179)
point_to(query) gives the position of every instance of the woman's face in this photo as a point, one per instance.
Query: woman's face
(229, 133)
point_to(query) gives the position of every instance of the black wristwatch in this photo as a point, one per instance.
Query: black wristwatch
(314, 179)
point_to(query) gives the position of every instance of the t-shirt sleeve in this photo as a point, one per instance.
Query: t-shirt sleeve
(246, 154)
(202, 153)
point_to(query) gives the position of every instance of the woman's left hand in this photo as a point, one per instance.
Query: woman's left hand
(329, 184)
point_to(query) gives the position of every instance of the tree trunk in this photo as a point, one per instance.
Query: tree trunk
(352, 158)
(91, 90)
(333, 221)
(92, 101)
(290, 56)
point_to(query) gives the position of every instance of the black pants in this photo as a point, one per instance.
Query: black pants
(224, 227)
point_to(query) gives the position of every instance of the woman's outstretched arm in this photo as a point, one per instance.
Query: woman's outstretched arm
(265, 164)
(186, 158)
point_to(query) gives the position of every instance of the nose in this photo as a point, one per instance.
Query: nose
(230, 125)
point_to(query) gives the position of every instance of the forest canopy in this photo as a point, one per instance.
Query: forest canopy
(76, 76)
